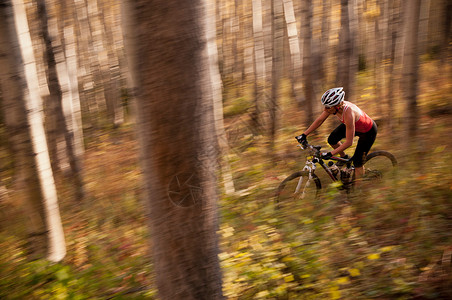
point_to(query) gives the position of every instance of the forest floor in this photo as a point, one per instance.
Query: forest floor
(392, 242)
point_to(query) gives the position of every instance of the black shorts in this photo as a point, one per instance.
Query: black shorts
(365, 142)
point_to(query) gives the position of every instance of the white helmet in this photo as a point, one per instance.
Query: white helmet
(333, 97)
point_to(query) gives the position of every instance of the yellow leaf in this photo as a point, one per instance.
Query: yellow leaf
(386, 249)
(335, 293)
(343, 280)
(242, 245)
(289, 278)
(308, 221)
(276, 276)
(261, 294)
(439, 149)
(354, 272)
(374, 256)
(288, 259)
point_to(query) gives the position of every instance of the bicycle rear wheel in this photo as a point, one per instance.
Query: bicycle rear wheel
(296, 193)
(379, 165)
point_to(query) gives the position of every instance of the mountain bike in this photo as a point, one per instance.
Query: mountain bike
(306, 184)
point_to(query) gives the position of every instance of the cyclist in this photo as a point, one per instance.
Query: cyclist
(355, 122)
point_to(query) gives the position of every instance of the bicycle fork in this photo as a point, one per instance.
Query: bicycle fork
(310, 167)
(300, 182)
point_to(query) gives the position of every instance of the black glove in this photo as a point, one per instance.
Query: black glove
(326, 155)
(301, 138)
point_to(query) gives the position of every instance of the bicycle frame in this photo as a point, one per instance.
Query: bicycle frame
(310, 163)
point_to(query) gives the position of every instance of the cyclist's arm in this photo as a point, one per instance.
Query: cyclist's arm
(317, 122)
(349, 121)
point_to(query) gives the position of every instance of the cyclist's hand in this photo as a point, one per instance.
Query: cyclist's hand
(301, 138)
(326, 155)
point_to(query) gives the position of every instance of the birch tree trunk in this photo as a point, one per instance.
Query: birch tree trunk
(346, 67)
(176, 125)
(410, 65)
(112, 76)
(71, 105)
(16, 22)
(239, 47)
(259, 67)
(308, 83)
(73, 108)
(15, 118)
(325, 40)
(277, 64)
(393, 15)
(63, 87)
(295, 51)
(217, 98)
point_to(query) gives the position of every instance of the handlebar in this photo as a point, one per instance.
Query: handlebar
(315, 151)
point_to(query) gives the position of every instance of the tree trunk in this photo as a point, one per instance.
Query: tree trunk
(393, 15)
(217, 98)
(63, 87)
(112, 75)
(378, 64)
(308, 84)
(259, 68)
(446, 48)
(325, 41)
(15, 120)
(410, 65)
(295, 51)
(238, 52)
(177, 138)
(277, 61)
(19, 40)
(346, 66)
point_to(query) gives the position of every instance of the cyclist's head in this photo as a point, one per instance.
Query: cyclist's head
(333, 97)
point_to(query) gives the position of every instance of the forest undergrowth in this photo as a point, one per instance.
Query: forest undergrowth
(394, 241)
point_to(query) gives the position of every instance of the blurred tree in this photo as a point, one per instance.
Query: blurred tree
(410, 65)
(325, 41)
(346, 65)
(259, 67)
(71, 103)
(446, 48)
(178, 144)
(88, 59)
(295, 72)
(217, 99)
(23, 104)
(110, 65)
(277, 65)
(308, 82)
(64, 99)
(391, 17)
(238, 48)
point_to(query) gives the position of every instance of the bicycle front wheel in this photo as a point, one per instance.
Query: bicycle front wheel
(297, 192)
(379, 165)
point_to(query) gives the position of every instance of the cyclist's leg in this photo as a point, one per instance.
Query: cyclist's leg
(336, 136)
(365, 142)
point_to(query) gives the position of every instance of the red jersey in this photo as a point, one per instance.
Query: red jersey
(364, 122)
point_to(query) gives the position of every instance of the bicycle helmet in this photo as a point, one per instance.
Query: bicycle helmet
(333, 97)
